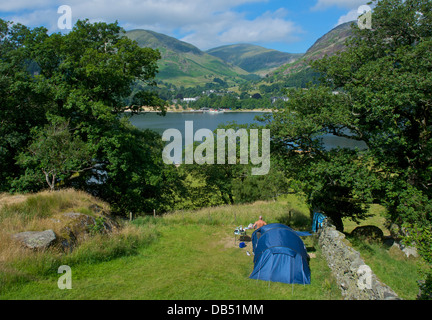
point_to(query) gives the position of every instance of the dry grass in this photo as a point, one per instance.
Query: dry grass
(8, 199)
(288, 210)
(38, 212)
(43, 211)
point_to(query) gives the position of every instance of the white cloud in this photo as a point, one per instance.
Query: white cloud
(350, 16)
(231, 28)
(352, 5)
(11, 6)
(204, 23)
(344, 4)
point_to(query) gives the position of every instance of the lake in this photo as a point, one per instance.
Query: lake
(176, 120)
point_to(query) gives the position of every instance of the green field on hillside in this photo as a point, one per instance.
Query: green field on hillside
(185, 255)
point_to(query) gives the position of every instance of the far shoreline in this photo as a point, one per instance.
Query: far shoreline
(151, 110)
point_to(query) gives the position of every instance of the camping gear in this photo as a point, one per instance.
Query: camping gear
(239, 231)
(280, 255)
(303, 233)
(318, 220)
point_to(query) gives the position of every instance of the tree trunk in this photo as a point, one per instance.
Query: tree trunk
(231, 198)
(51, 183)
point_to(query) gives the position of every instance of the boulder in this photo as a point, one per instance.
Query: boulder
(409, 251)
(36, 239)
(398, 249)
(80, 226)
(368, 233)
(365, 274)
(76, 227)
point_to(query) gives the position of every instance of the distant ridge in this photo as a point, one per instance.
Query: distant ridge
(329, 44)
(253, 58)
(157, 40)
(182, 63)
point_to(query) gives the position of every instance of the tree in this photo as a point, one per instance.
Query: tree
(83, 79)
(335, 181)
(248, 188)
(56, 153)
(256, 96)
(23, 101)
(383, 79)
(386, 75)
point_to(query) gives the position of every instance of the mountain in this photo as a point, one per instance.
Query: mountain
(253, 58)
(182, 63)
(329, 44)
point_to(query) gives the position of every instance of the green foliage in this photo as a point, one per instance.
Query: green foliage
(98, 226)
(420, 236)
(231, 183)
(56, 153)
(336, 181)
(383, 79)
(249, 189)
(63, 121)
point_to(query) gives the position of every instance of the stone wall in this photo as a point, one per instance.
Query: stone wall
(356, 279)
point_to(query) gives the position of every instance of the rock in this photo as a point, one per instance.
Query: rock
(398, 249)
(80, 226)
(368, 233)
(77, 226)
(364, 273)
(409, 251)
(36, 239)
(355, 279)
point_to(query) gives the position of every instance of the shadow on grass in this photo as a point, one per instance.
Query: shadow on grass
(296, 220)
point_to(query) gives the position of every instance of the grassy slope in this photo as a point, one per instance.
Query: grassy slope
(183, 63)
(252, 58)
(329, 44)
(191, 255)
(391, 267)
(189, 262)
(194, 257)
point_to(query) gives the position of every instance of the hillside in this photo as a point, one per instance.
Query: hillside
(187, 254)
(253, 58)
(183, 63)
(329, 44)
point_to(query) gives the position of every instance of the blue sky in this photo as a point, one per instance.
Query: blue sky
(285, 25)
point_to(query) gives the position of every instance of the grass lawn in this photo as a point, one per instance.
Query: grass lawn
(191, 261)
(185, 255)
(390, 266)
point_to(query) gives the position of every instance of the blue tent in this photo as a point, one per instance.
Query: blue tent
(280, 255)
(318, 220)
